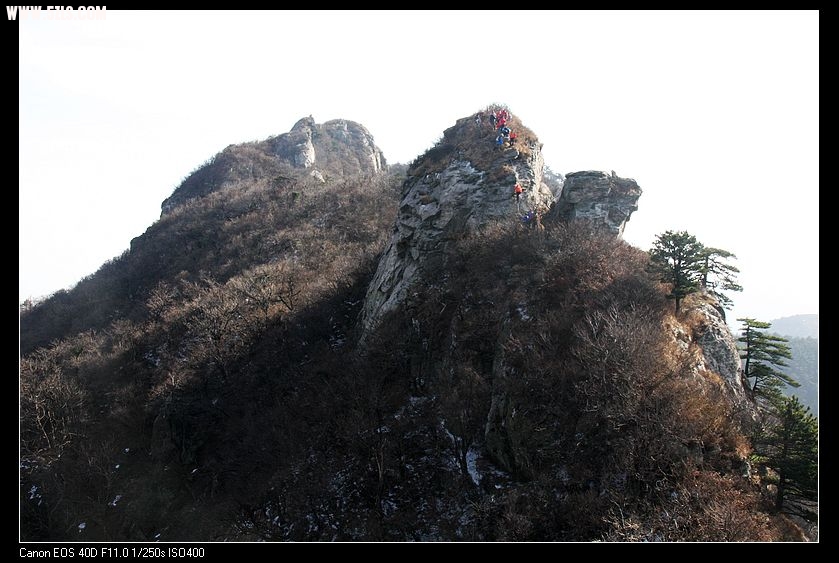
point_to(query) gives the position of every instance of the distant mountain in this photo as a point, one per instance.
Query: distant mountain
(804, 366)
(803, 334)
(797, 325)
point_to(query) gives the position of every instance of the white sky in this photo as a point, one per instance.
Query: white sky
(715, 114)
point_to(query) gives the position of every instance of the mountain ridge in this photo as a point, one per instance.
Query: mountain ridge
(801, 326)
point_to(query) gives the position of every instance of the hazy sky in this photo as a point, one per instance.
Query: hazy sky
(715, 114)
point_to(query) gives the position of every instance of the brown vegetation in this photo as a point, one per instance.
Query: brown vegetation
(608, 419)
(207, 385)
(220, 303)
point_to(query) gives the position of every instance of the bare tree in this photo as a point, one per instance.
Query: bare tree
(218, 325)
(52, 406)
(269, 285)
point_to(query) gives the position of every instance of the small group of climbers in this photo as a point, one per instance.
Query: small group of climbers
(498, 120)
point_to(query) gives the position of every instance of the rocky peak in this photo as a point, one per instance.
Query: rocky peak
(605, 200)
(336, 149)
(340, 132)
(463, 183)
(303, 125)
(467, 181)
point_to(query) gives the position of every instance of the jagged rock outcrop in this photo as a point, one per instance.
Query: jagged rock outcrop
(459, 186)
(339, 147)
(335, 149)
(603, 199)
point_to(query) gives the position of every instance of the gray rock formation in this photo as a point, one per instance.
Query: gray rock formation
(296, 145)
(718, 348)
(342, 132)
(337, 147)
(454, 191)
(708, 341)
(603, 199)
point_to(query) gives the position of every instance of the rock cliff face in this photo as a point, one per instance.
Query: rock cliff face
(335, 149)
(602, 199)
(718, 351)
(296, 145)
(459, 186)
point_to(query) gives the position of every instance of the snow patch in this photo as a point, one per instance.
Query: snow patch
(152, 358)
(415, 401)
(523, 313)
(472, 465)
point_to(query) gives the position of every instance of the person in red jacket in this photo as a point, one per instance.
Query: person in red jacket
(513, 137)
(517, 191)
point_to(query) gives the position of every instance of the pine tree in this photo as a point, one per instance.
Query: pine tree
(763, 354)
(676, 257)
(790, 446)
(718, 275)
